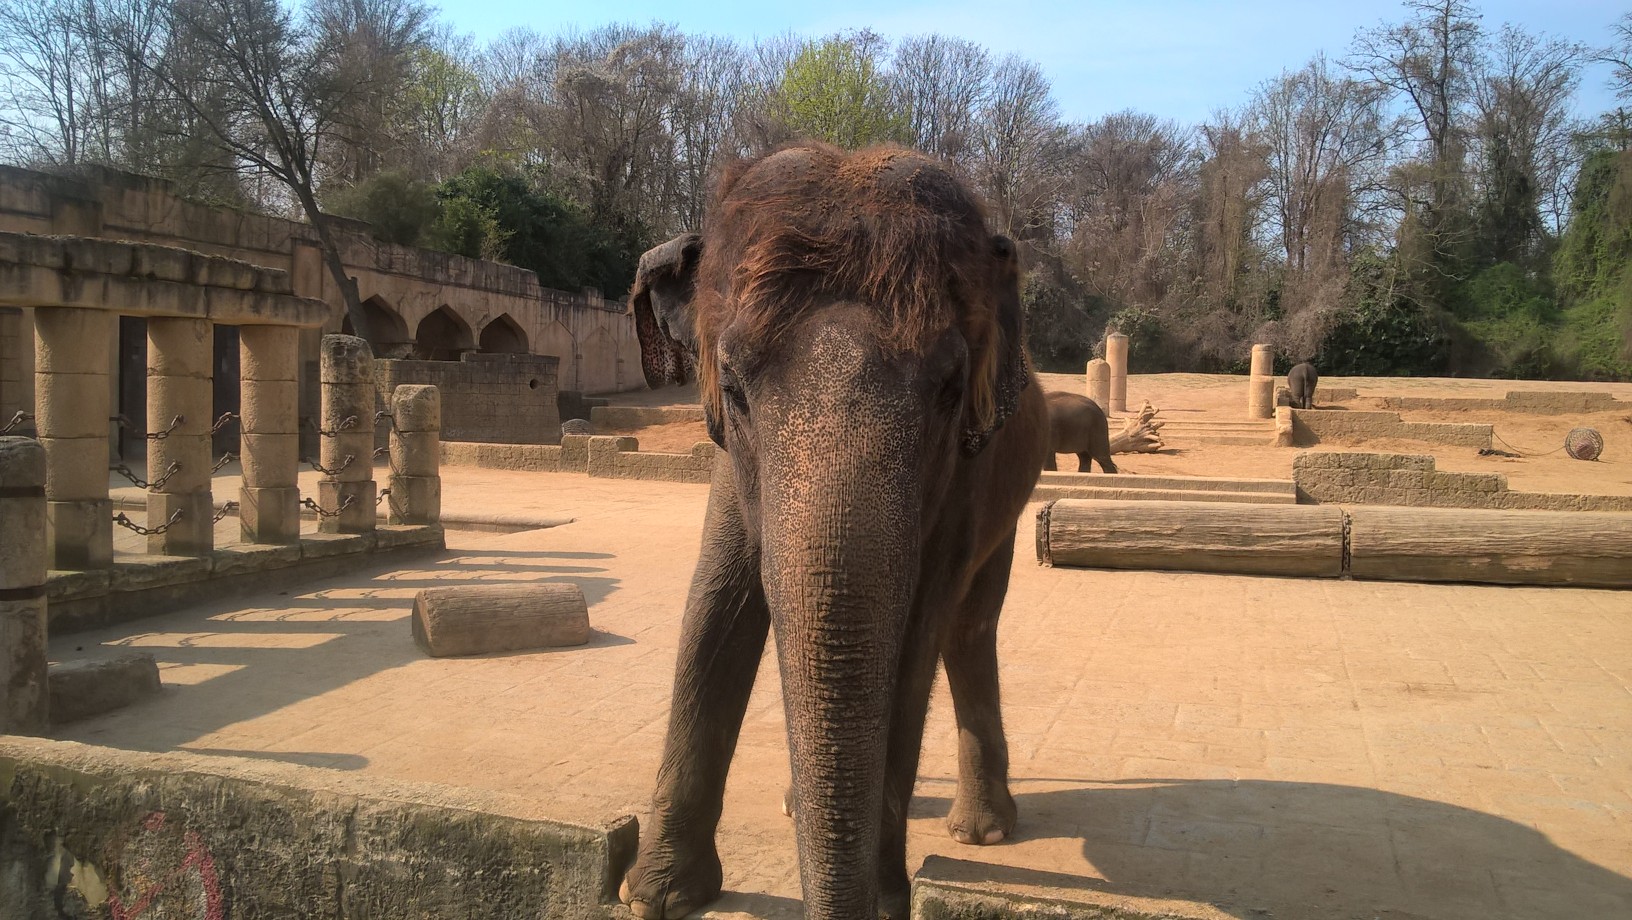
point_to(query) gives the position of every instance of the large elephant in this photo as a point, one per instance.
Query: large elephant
(1301, 382)
(857, 338)
(1077, 425)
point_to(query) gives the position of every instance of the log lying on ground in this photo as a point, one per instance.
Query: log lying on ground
(1493, 547)
(1302, 540)
(1142, 434)
(477, 620)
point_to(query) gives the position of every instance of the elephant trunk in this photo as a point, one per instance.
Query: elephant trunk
(840, 562)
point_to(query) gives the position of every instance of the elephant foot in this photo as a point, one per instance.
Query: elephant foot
(673, 885)
(787, 802)
(982, 820)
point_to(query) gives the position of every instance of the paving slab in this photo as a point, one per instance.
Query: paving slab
(1265, 747)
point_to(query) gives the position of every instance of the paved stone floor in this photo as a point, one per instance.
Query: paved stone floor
(1277, 747)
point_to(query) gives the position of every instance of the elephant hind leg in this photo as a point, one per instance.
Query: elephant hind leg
(983, 812)
(1049, 464)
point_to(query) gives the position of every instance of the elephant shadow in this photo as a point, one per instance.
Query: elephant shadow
(1260, 848)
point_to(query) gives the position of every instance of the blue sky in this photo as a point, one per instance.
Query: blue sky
(1178, 59)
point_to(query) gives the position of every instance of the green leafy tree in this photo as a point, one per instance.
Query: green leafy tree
(835, 90)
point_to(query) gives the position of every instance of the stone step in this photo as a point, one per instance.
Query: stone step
(1172, 483)
(1235, 440)
(1049, 492)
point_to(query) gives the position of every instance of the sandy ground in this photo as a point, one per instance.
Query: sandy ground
(1542, 467)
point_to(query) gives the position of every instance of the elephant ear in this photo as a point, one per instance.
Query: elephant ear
(1012, 374)
(661, 304)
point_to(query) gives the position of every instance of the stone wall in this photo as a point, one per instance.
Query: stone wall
(599, 456)
(1532, 402)
(94, 832)
(492, 398)
(1315, 426)
(1412, 480)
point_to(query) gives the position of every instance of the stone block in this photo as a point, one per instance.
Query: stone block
(270, 460)
(407, 536)
(249, 559)
(157, 570)
(268, 353)
(415, 453)
(81, 689)
(345, 359)
(191, 398)
(73, 340)
(270, 407)
(269, 515)
(328, 545)
(76, 468)
(79, 534)
(416, 408)
(354, 502)
(23, 695)
(1408, 479)
(345, 400)
(1260, 397)
(180, 348)
(479, 620)
(192, 534)
(415, 500)
(71, 405)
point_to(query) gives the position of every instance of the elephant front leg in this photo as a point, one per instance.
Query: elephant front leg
(919, 654)
(983, 812)
(677, 871)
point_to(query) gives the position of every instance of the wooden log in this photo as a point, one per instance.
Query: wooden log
(1301, 540)
(476, 620)
(1584, 548)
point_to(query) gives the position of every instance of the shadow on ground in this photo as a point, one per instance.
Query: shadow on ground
(1257, 848)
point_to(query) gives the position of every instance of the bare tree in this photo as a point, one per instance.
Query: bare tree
(944, 83)
(373, 46)
(1021, 152)
(1618, 55)
(711, 87)
(44, 99)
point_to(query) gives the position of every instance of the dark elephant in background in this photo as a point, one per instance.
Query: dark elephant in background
(856, 333)
(1301, 382)
(1077, 425)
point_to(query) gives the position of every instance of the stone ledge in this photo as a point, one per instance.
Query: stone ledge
(404, 849)
(957, 889)
(1412, 481)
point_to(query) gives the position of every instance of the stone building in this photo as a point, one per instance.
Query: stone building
(486, 333)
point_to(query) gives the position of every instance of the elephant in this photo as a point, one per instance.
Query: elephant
(1301, 381)
(1077, 425)
(856, 335)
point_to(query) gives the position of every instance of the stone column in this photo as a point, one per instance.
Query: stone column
(416, 481)
(1099, 382)
(269, 375)
(180, 354)
(24, 693)
(1116, 355)
(1261, 386)
(346, 448)
(71, 360)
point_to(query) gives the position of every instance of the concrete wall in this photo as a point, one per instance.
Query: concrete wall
(593, 337)
(1314, 426)
(93, 832)
(1404, 479)
(508, 399)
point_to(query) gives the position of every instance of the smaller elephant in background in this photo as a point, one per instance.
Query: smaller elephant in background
(1077, 425)
(1301, 381)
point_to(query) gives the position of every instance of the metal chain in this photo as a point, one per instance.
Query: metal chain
(309, 503)
(385, 414)
(381, 497)
(129, 524)
(226, 509)
(346, 424)
(138, 482)
(226, 458)
(328, 472)
(380, 452)
(161, 435)
(16, 420)
(221, 422)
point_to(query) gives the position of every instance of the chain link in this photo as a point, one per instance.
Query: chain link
(16, 420)
(221, 422)
(346, 424)
(324, 470)
(380, 452)
(129, 524)
(381, 497)
(226, 509)
(385, 414)
(226, 458)
(309, 503)
(138, 482)
(175, 423)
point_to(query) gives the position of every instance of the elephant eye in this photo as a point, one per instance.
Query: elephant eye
(734, 393)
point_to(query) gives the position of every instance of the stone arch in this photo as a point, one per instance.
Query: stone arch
(556, 339)
(598, 363)
(442, 336)
(502, 334)
(383, 327)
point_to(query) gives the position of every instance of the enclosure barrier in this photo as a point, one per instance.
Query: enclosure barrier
(1585, 549)
(23, 695)
(416, 455)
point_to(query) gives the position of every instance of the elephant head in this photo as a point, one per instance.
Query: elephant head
(856, 333)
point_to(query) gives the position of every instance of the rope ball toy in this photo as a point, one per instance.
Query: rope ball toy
(1584, 443)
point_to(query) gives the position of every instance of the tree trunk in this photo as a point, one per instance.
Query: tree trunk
(1141, 434)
